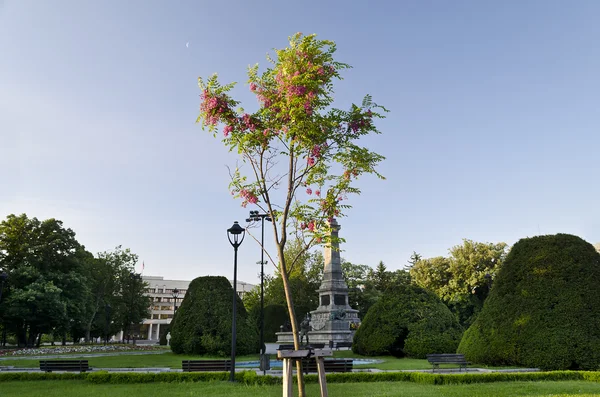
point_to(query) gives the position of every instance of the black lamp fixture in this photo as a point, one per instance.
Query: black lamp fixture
(236, 235)
(255, 216)
(175, 295)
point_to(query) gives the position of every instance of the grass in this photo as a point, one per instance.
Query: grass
(170, 360)
(225, 389)
(165, 360)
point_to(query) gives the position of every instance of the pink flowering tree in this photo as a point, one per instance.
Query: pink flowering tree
(301, 157)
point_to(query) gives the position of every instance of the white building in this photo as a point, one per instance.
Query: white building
(163, 302)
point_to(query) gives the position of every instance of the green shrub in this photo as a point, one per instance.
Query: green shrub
(407, 321)
(202, 324)
(19, 376)
(275, 316)
(251, 378)
(544, 308)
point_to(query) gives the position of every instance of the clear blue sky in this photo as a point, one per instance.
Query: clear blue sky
(492, 135)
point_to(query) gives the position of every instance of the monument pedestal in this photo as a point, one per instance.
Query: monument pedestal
(334, 318)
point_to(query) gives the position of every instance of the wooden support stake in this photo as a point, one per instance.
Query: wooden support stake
(322, 377)
(287, 377)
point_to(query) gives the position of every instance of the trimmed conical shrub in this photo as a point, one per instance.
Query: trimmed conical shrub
(202, 324)
(544, 308)
(407, 321)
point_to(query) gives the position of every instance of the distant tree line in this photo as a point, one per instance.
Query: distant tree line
(54, 286)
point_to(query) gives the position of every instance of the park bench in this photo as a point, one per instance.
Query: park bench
(64, 365)
(343, 344)
(331, 365)
(437, 359)
(206, 365)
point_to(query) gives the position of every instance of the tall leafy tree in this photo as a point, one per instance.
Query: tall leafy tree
(462, 280)
(301, 155)
(112, 281)
(43, 260)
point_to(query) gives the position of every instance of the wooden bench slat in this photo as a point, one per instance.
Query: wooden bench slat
(64, 365)
(436, 359)
(205, 365)
(331, 365)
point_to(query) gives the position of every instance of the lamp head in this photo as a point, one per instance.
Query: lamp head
(236, 234)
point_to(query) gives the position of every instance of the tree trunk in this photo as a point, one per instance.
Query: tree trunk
(88, 326)
(38, 340)
(31, 336)
(292, 312)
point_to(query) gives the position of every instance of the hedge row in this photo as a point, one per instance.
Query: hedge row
(251, 378)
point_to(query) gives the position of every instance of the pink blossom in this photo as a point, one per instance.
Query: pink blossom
(252, 86)
(311, 226)
(266, 132)
(227, 129)
(318, 192)
(303, 226)
(311, 161)
(319, 239)
(308, 108)
(321, 71)
(316, 151)
(309, 191)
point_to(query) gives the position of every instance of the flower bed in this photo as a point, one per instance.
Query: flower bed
(74, 349)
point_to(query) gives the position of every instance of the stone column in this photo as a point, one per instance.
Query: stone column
(158, 331)
(150, 331)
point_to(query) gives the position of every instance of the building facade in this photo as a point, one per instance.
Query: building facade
(162, 308)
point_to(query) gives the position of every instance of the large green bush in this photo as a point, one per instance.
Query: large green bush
(275, 316)
(202, 324)
(544, 308)
(407, 321)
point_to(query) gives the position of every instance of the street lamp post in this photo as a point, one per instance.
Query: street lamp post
(255, 216)
(175, 295)
(236, 235)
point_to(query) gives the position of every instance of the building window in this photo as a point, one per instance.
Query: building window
(164, 316)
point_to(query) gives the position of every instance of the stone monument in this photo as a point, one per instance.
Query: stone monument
(334, 320)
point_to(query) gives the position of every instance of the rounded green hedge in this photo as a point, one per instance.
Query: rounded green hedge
(275, 316)
(202, 324)
(407, 321)
(544, 308)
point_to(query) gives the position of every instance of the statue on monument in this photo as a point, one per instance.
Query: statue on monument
(305, 328)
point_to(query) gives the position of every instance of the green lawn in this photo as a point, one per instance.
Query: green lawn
(170, 360)
(165, 360)
(225, 389)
